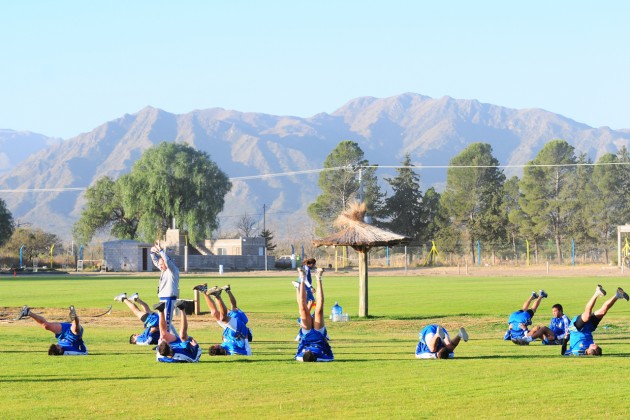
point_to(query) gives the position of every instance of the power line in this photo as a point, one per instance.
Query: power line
(351, 168)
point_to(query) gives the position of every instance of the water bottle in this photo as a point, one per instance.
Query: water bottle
(336, 312)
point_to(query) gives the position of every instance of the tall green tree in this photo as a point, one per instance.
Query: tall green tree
(340, 185)
(104, 210)
(580, 199)
(404, 206)
(473, 194)
(433, 216)
(546, 188)
(511, 208)
(7, 225)
(266, 233)
(608, 199)
(170, 183)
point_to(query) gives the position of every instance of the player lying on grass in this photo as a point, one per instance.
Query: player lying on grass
(520, 320)
(151, 320)
(313, 345)
(173, 349)
(236, 334)
(69, 335)
(559, 325)
(580, 340)
(168, 287)
(435, 343)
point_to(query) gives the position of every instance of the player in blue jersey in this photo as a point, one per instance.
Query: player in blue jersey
(236, 334)
(168, 287)
(580, 341)
(69, 335)
(435, 343)
(151, 320)
(174, 349)
(313, 345)
(520, 320)
(559, 325)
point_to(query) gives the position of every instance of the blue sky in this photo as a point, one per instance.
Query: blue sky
(68, 66)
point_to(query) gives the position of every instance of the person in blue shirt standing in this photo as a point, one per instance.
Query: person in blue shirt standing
(69, 335)
(168, 287)
(236, 334)
(313, 345)
(559, 325)
(173, 348)
(435, 343)
(580, 341)
(520, 320)
(151, 320)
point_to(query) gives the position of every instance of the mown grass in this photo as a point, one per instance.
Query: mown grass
(375, 374)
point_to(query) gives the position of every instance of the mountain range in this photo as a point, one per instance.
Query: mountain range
(34, 168)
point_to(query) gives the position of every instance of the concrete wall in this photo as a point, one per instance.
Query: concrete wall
(229, 262)
(239, 246)
(126, 255)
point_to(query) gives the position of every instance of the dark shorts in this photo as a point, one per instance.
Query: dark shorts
(593, 320)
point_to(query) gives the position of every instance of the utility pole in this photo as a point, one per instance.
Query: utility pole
(265, 232)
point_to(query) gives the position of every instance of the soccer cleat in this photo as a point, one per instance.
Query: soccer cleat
(134, 297)
(295, 284)
(201, 287)
(621, 294)
(534, 295)
(73, 313)
(543, 294)
(320, 271)
(226, 288)
(24, 313)
(214, 291)
(180, 304)
(463, 334)
(300, 271)
(440, 332)
(600, 290)
(160, 306)
(120, 297)
(520, 341)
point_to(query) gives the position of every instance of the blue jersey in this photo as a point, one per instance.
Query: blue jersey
(560, 326)
(426, 334)
(71, 343)
(236, 341)
(184, 352)
(147, 337)
(579, 340)
(517, 325)
(316, 342)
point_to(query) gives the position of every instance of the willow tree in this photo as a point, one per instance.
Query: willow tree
(170, 184)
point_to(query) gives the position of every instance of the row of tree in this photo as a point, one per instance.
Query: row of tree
(560, 197)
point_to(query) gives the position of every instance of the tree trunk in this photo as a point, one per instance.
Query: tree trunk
(363, 282)
(558, 250)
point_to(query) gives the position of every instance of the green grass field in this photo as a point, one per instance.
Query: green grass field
(375, 374)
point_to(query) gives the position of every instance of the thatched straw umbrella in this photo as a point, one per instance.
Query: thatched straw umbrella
(361, 237)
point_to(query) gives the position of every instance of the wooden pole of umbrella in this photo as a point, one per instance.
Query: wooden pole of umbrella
(354, 232)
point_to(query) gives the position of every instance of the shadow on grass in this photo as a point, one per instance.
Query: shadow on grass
(415, 317)
(74, 379)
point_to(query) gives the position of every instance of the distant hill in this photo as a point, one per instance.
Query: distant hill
(246, 144)
(16, 146)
